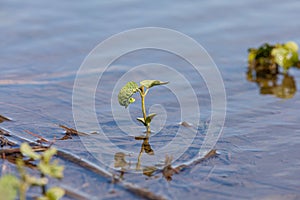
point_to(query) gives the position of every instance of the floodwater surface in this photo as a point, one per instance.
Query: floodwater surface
(43, 44)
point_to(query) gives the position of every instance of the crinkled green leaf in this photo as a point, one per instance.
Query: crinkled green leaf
(9, 186)
(51, 169)
(26, 150)
(126, 92)
(150, 117)
(141, 119)
(48, 154)
(151, 83)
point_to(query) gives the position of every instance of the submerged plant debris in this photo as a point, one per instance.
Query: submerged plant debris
(69, 132)
(3, 118)
(40, 139)
(4, 132)
(268, 66)
(5, 142)
(168, 170)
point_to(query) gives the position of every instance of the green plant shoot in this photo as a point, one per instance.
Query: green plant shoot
(284, 55)
(125, 98)
(10, 185)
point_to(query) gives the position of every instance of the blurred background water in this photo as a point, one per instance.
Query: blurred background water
(44, 43)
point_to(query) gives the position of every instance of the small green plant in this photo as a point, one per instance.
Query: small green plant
(10, 185)
(125, 98)
(284, 55)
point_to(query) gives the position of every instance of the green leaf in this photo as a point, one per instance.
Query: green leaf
(26, 150)
(48, 154)
(53, 170)
(291, 45)
(43, 198)
(141, 119)
(264, 51)
(285, 57)
(54, 193)
(151, 83)
(36, 181)
(150, 117)
(126, 92)
(252, 55)
(9, 186)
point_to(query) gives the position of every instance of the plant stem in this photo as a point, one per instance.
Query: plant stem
(138, 164)
(23, 188)
(143, 103)
(43, 186)
(143, 94)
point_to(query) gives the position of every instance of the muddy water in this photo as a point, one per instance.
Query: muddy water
(43, 44)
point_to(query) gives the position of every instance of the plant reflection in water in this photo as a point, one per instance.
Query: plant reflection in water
(280, 85)
(146, 147)
(121, 163)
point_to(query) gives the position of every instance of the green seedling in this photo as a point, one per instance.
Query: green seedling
(11, 185)
(125, 98)
(284, 55)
